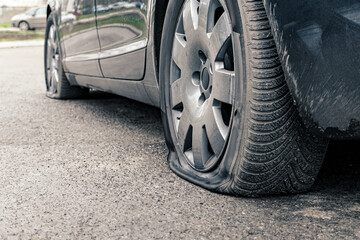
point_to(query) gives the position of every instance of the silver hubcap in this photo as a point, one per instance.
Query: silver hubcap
(52, 62)
(24, 26)
(202, 82)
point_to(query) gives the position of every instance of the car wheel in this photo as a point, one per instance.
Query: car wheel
(57, 85)
(230, 122)
(24, 26)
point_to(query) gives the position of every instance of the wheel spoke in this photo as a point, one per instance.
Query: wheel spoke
(200, 146)
(56, 76)
(55, 85)
(190, 17)
(179, 51)
(50, 82)
(223, 85)
(49, 53)
(216, 130)
(54, 81)
(176, 92)
(53, 45)
(52, 38)
(48, 71)
(48, 77)
(220, 33)
(49, 43)
(56, 62)
(183, 133)
(204, 13)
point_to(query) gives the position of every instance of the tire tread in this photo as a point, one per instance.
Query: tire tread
(279, 156)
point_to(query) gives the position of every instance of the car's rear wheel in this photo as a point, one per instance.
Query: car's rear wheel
(24, 26)
(230, 122)
(57, 85)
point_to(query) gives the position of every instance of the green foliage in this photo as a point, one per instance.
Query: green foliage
(21, 35)
(5, 25)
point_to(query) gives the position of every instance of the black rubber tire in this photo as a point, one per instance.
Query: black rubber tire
(27, 24)
(269, 150)
(64, 90)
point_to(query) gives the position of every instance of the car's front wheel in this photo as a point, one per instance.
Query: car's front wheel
(230, 121)
(57, 85)
(24, 26)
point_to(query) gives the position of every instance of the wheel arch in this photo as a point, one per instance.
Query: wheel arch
(48, 11)
(160, 11)
(319, 73)
(21, 21)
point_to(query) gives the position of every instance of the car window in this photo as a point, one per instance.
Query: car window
(41, 11)
(31, 11)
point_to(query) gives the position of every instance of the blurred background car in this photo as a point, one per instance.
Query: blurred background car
(32, 19)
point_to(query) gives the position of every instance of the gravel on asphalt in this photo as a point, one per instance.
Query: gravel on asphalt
(96, 168)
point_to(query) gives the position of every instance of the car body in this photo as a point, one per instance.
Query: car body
(34, 18)
(322, 68)
(116, 48)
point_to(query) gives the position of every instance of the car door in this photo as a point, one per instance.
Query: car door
(39, 18)
(122, 28)
(79, 39)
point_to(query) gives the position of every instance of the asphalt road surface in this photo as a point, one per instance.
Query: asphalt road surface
(96, 168)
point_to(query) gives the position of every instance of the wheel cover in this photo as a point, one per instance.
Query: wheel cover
(52, 62)
(24, 26)
(202, 82)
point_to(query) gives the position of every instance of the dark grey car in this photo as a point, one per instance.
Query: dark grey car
(32, 19)
(250, 91)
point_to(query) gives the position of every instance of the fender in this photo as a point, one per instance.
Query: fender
(53, 6)
(318, 45)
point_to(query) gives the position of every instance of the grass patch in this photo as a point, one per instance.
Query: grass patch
(5, 25)
(19, 36)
